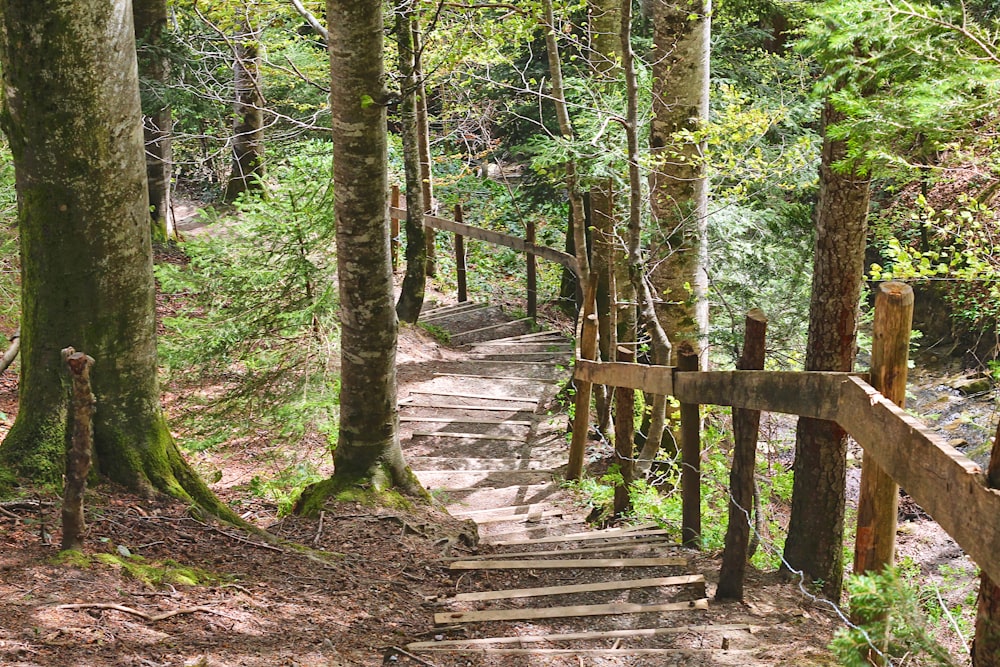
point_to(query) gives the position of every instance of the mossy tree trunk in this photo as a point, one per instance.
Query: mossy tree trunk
(677, 181)
(816, 526)
(369, 450)
(248, 110)
(150, 27)
(71, 113)
(411, 293)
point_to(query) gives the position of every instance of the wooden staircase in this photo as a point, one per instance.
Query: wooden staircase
(635, 584)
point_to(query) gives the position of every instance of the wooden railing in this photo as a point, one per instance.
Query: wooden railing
(942, 480)
(463, 231)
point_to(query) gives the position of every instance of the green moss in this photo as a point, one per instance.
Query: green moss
(73, 558)
(36, 451)
(156, 573)
(353, 489)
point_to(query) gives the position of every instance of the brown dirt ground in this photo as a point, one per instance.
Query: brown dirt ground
(351, 587)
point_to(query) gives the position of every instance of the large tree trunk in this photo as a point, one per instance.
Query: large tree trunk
(678, 186)
(986, 644)
(73, 119)
(248, 110)
(368, 451)
(150, 27)
(816, 526)
(411, 293)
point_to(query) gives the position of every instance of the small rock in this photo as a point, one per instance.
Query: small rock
(969, 386)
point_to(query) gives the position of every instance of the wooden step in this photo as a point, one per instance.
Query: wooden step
(577, 588)
(530, 613)
(568, 564)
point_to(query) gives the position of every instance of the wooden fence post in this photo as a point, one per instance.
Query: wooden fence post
(687, 360)
(581, 413)
(532, 277)
(746, 424)
(394, 227)
(879, 500)
(463, 294)
(624, 435)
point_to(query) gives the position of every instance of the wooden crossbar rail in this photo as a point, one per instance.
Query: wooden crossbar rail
(496, 238)
(943, 481)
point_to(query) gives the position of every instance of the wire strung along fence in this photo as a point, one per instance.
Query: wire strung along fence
(463, 231)
(897, 447)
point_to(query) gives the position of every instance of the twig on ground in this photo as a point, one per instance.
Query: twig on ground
(152, 618)
(319, 528)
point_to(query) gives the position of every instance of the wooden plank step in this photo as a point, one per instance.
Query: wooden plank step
(467, 436)
(597, 652)
(492, 327)
(464, 420)
(521, 337)
(534, 517)
(510, 510)
(498, 377)
(636, 531)
(579, 636)
(485, 397)
(459, 406)
(569, 564)
(612, 609)
(457, 465)
(629, 584)
(617, 546)
(434, 316)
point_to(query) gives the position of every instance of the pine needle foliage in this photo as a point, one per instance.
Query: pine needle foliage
(259, 306)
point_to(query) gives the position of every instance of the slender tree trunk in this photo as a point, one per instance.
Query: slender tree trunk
(368, 451)
(150, 29)
(678, 185)
(660, 343)
(72, 117)
(248, 110)
(579, 229)
(411, 294)
(424, 146)
(986, 643)
(816, 525)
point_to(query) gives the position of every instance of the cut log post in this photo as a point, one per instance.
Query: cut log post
(879, 499)
(746, 424)
(531, 273)
(394, 227)
(624, 436)
(78, 455)
(587, 350)
(687, 360)
(986, 642)
(463, 293)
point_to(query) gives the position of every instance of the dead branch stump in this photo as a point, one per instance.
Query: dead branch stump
(78, 455)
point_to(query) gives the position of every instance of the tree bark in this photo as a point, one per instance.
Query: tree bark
(150, 28)
(579, 229)
(248, 110)
(368, 451)
(678, 185)
(424, 146)
(411, 293)
(986, 643)
(816, 525)
(72, 116)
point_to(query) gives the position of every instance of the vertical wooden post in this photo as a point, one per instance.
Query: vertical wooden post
(746, 424)
(78, 456)
(394, 227)
(624, 435)
(587, 350)
(463, 294)
(532, 277)
(879, 500)
(687, 360)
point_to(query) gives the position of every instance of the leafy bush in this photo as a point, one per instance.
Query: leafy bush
(258, 305)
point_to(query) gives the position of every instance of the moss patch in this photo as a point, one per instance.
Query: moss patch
(151, 573)
(356, 490)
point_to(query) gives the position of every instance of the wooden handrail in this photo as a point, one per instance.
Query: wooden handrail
(942, 480)
(496, 238)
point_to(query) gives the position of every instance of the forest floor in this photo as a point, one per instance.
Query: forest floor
(160, 586)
